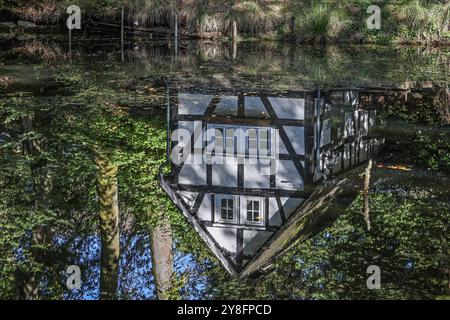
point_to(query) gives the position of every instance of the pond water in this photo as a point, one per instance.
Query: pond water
(351, 168)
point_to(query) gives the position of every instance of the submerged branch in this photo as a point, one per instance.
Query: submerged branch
(366, 211)
(109, 227)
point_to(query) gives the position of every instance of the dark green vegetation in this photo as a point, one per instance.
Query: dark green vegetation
(65, 128)
(403, 21)
(67, 144)
(408, 242)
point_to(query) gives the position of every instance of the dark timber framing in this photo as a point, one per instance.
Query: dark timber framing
(252, 192)
(306, 165)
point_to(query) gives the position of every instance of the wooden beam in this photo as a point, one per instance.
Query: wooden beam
(246, 121)
(209, 110)
(241, 106)
(198, 203)
(281, 210)
(283, 136)
(244, 191)
(215, 248)
(309, 142)
(239, 247)
(320, 209)
(240, 226)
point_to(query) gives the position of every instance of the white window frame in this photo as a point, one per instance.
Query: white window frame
(226, 138)
(269, 138)
(243, 211)
(218, 207)
(212, 137)
(247, 142)
(241, 148)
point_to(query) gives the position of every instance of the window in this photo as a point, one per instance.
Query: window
(252, 210)
(229, 141)
(226, 208)
(264, 142)
(257, 142)
(252, 142)
(243, 210)
(218, 140)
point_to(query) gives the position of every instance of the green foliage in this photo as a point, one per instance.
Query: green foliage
(252, 18)
(423, 21)
(48, 190)
(99, 5)
(428, 147)
(90, 111)
(69, 133)
(317, 21)
(321, 23)
(405, 243)
(433, 150)
(154, 12)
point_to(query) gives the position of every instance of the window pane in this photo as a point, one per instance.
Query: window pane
(264, 134)
(223, 214)
(252, 144)
(253, 213)
(230, 139)
(218, 136)
(264, 146)
(219, 132)
(227, 210)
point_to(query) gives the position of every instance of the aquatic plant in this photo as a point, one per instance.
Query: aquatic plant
(424, 22)
(153, 12)
(321, 23)
(41, 12)
(254, 18)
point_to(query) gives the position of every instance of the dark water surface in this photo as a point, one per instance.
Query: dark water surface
(61, 113)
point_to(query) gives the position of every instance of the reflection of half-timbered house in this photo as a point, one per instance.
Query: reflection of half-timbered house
(274, 148)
